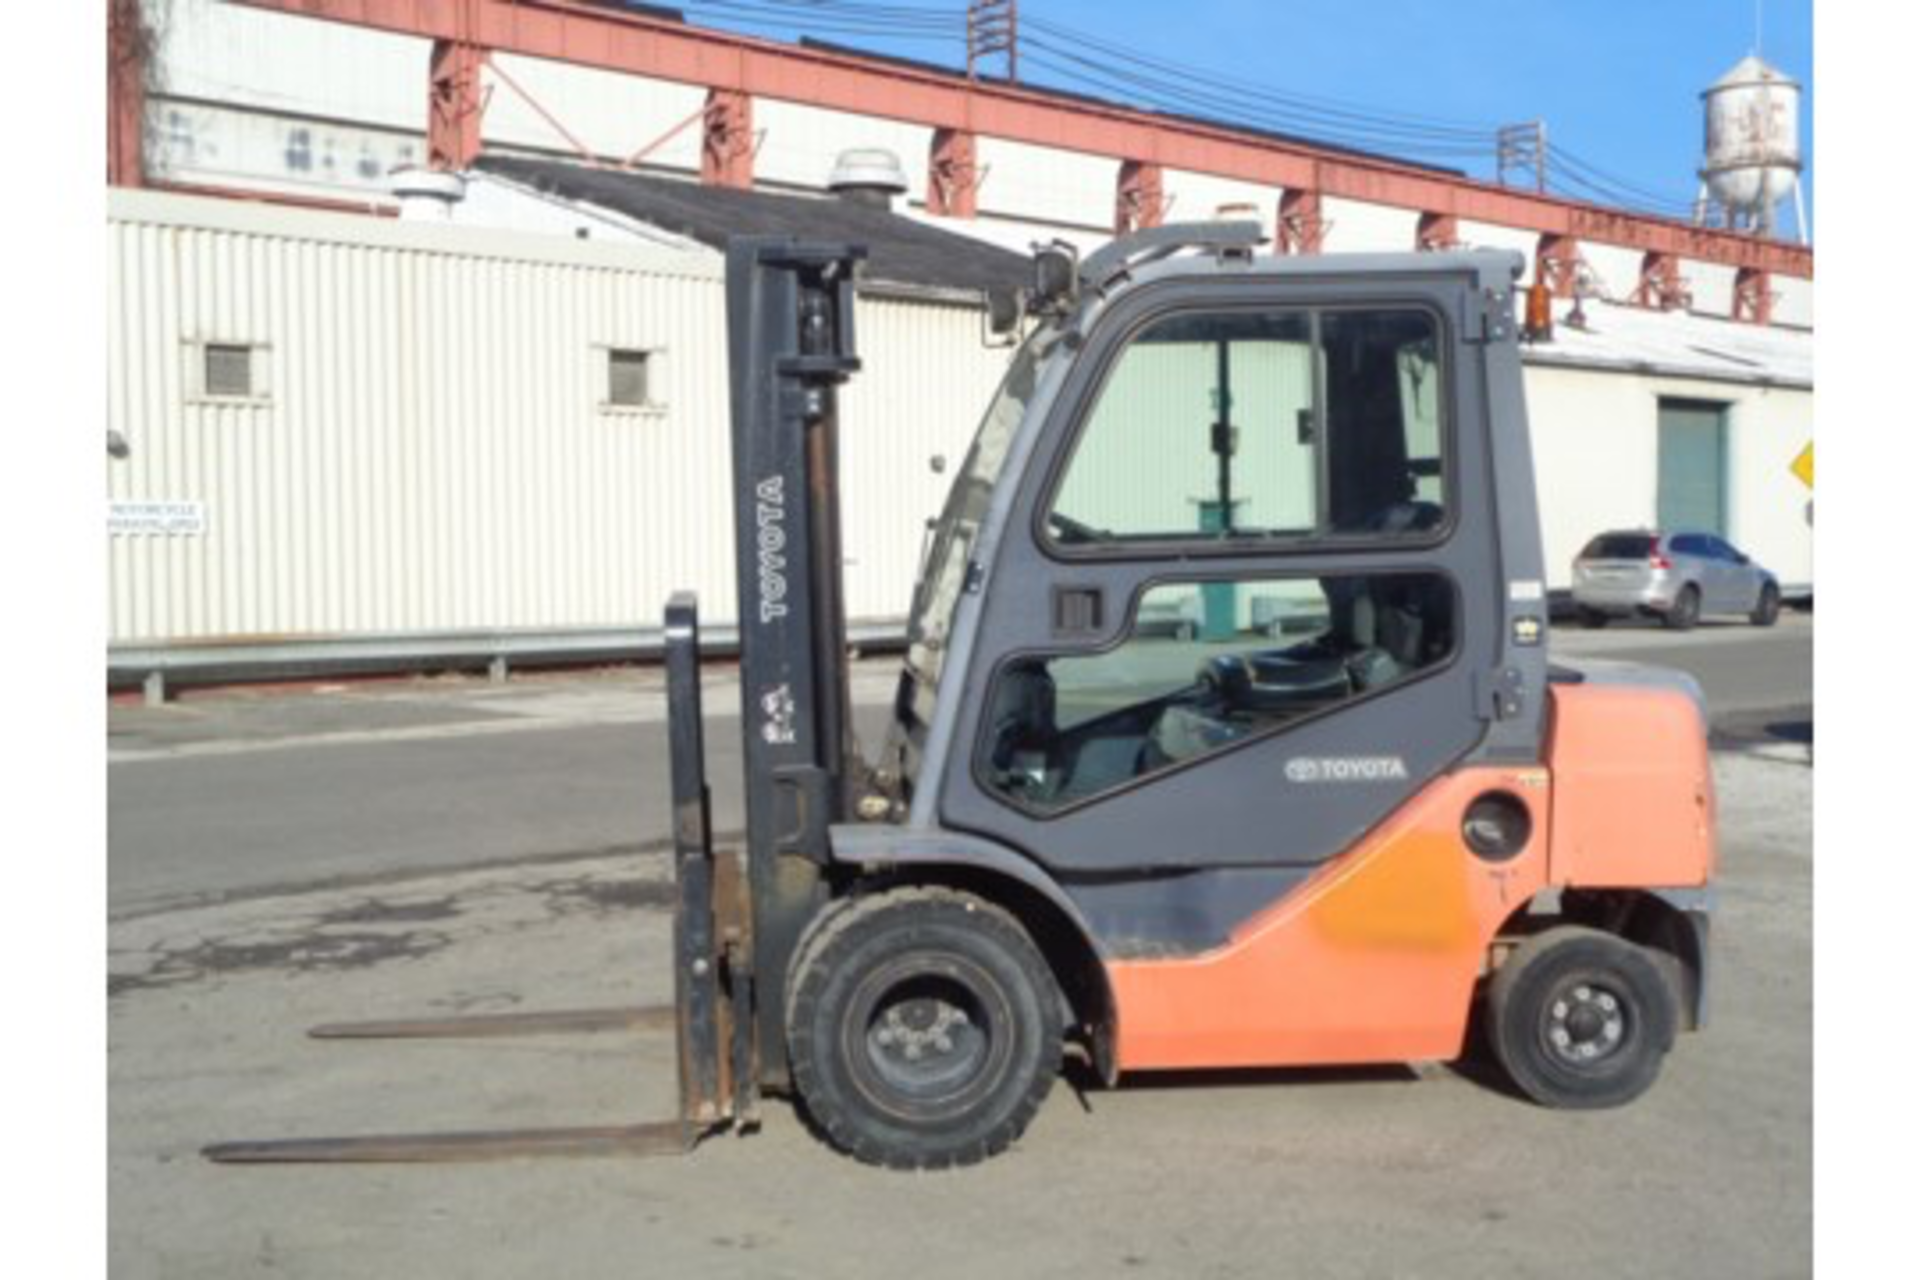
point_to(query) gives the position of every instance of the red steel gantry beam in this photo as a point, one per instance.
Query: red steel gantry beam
(1661, 287)
(454, 104)
(1753, 296)
(127, 50)
(1300, 227)
(726, 140)
(1436, 233)
(1139, 197)
(953, 174)
(1557, 264)
(634, 43)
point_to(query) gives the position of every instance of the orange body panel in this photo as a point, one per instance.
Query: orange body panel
(1372, 960)
(1632, 788)
(1375, 958)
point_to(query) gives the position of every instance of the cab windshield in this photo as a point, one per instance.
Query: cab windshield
(944, 575)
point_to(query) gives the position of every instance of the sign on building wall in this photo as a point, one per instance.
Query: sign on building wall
(157, 517)
(1802, 465)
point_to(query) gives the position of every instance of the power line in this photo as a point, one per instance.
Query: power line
(1080, 60)
(1232, 110)
(1331, 109)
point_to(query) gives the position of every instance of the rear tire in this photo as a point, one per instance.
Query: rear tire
(1580, 1019)
(1767, 611)
(924, 1029)
(1685, 611)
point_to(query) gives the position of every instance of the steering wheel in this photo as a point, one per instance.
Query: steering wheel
(1413, 516)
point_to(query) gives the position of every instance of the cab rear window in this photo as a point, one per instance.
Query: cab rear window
(1619, 546)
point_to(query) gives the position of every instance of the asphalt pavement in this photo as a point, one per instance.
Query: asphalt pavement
(1336, 1175)
(253, 791)
(285, 857)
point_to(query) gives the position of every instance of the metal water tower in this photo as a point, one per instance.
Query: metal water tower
(1753, 149)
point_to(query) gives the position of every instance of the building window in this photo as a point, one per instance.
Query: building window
(229, 369)
(631, 382)
(227, 373)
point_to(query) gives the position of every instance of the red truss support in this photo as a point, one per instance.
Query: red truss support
(953, 174)
(1139, 197)
(1437, 233)
(1753, 296)
(128, 45)
(1300, 226)
(637, 43)
(1661, 286)
(726, 143)
(454, 104)
(1558, 264)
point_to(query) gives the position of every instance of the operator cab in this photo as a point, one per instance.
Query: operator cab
(1237, 513)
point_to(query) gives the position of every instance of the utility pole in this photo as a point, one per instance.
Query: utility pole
(993, 26)
(1523, 148)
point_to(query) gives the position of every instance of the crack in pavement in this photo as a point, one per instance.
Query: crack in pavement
(315, 951)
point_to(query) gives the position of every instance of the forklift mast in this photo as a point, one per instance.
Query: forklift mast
(791, 343)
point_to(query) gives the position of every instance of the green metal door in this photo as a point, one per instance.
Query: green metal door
(1693, 466)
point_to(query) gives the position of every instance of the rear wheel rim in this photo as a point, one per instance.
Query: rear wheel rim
(1587, 1025)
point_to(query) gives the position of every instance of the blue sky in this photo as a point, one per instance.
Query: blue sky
(1617, 81)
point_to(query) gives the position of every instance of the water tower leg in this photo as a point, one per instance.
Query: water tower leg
(1799, 210)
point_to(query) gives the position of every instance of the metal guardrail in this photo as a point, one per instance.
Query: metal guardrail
(161, 666)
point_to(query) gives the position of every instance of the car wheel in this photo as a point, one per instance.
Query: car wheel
(1595, 618)
(924, 1030)
(1685, 611)
(1581, 1019)
(1767, 611)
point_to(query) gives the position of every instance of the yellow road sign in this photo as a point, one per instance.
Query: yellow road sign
(1802, 465)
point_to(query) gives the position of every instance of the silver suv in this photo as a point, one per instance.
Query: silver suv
(1675, 577)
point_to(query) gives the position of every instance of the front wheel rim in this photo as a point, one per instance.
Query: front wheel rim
(926, 1040)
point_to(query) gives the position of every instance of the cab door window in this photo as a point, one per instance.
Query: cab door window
(1207, 665)
(1247, 426)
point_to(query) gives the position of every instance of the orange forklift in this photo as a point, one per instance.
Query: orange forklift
(1225, 736)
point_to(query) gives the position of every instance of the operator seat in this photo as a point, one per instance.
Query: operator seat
(1023, 728)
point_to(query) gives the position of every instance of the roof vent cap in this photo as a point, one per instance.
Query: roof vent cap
(427, 195)
(868, 175)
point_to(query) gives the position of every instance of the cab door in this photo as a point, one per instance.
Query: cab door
(1248, 599)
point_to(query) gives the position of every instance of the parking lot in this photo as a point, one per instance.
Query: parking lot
(284, 858)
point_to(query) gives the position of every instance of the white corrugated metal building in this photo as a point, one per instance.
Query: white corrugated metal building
(425, 460)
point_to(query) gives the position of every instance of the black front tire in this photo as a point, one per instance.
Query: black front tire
(1685, 611)
(1767, 611)
(924, 1029)
(1593, 618)
(1580, 1019)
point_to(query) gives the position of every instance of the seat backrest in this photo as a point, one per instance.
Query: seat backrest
(1023, 712)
